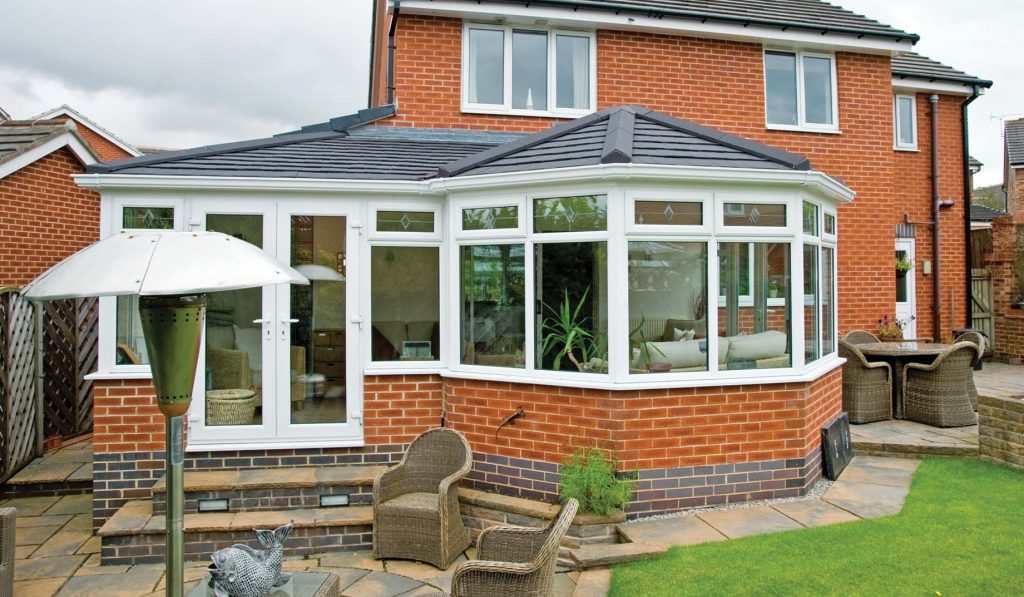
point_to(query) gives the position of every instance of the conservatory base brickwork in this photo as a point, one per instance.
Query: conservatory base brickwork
(688, 447)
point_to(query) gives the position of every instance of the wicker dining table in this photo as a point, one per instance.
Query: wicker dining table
(899, 354)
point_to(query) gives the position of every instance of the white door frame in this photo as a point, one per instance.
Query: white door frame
(907, 310)
(276, 430)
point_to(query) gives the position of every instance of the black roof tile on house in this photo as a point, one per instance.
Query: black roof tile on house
(626, 134)
(803, 15)
(915, 66)
(1014, 133)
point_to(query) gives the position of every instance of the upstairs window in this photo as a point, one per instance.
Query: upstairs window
(905, 122)
(528, 71)
(800, 90)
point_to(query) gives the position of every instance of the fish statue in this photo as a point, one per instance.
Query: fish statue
(241, 571)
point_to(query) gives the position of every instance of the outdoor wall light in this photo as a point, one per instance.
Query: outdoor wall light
(171, 272)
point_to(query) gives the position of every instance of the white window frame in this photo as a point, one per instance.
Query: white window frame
(802, 124)
(107, 362)
(505, 107)
(433, 239)
(821, 240)
(897, 145)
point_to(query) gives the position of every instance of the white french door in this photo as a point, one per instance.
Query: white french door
(906, 291)
(278, 365)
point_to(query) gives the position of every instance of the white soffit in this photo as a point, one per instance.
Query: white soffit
(929, 86)
(589, 19)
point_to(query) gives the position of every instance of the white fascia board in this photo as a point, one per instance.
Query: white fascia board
(587, 18)
(70, 112)
(980, 225)
(37, 153)
(900, 84)
(131, 181)
(816, 181)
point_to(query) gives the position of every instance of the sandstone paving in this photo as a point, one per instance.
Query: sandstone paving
(815, 513)
(684, 530)
(352, 559)
(749, 521)
(52, 567)
(878, 475)
(43, 521)
(72, 504)
(134, 582)
(593, 583)
(31, 506)
(866, 500)
(79, 522)
(63, 543)
(381, 584)
(33, 535)
(346, 576)
(38, 588)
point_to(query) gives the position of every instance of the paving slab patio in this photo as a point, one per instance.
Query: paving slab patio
(72, 462)
(1000, 380)
(871, 486)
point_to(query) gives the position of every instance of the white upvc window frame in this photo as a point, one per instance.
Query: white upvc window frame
(801, 110)
(112, 224)
(896, 122)
(433, 239)
(819, 241)
(505, 108)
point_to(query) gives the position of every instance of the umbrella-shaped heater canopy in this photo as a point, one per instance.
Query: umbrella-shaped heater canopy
(161, 264)
(314, 272)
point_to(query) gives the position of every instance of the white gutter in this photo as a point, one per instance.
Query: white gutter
(135, 181)
(588, 18)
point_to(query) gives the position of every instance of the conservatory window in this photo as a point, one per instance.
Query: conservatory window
(493, 305)
(405, 303)
(667, 306)
(571, 288)
(756, 335)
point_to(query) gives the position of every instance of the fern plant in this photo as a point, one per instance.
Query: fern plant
(590, 477)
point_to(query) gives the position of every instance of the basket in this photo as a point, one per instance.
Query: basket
(230, 407)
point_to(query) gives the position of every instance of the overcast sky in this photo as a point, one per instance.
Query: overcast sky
(184, 73)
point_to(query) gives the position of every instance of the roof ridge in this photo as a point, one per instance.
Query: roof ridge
(761, 150)
(618, 139)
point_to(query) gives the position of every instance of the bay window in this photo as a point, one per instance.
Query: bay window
(800, 90)
(524, 70)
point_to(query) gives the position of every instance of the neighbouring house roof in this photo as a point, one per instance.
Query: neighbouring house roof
(974, 163)
(984, 213)
(4, 115)
(912, 65)
(23, 142)
(66, 110)
(990, 195)
(1014, 133)
(804, 15)
(627, 134)
(333, 155)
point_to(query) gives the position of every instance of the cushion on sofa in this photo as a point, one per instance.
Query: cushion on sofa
(671, 325)
(762, 345)
(682, 354)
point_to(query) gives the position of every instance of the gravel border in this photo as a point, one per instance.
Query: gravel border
(814, 493)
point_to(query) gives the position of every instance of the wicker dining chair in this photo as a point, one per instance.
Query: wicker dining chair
(867, 386)
(860, 337)
(415, 505)
(8, 521)
(514, 561)
(978, 340)
(936, 393)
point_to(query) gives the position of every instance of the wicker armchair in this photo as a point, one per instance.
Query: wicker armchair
(860, 337)
(867, 386)
(937, 394)
(415, 506)
(8, 520)
(978, 340)
(514, 561)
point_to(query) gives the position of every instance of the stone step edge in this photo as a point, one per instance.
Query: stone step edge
(600, 555)
(911, 450)
(137, 518)
(196, 481)
(527, 507)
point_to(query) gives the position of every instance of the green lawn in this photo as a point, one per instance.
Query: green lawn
(961, 532)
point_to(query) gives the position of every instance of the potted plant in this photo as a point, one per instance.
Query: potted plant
(638, 340)
(903, 265)
(890, 330)
(590, 477)
(773, 289)
(566, 332)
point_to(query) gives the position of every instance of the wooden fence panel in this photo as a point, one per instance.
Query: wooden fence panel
(17, 383)
(69, 354)
(981, 308)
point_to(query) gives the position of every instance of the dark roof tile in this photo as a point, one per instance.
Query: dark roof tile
(1014, 132)
(915, 66)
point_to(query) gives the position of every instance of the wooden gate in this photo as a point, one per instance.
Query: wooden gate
(981, 309)
(18, 401)
(69, 354)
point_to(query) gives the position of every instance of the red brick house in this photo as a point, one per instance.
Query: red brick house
(44, 215)
(625, 158)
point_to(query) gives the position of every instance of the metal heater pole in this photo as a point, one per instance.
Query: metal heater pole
(175, 460)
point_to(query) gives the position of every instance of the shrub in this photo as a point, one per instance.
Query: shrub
(590, 477)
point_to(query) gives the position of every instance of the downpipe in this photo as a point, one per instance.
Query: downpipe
(933, 100)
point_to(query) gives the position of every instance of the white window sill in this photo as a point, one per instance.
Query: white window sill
(498, 111)
(907, 149)
(222, 446)
(109, 375)
(802, 129)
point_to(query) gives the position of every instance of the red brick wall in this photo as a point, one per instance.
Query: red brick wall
(397, 408)
(44, 217)
(106, 150)
(720, 83)
(125, 417)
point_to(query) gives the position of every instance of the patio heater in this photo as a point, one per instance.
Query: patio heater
(171, 272)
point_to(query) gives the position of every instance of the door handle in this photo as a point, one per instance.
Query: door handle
(289, 321)
(264, 320)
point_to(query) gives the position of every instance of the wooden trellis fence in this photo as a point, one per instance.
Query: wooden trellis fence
(18, 398)
(69, 351)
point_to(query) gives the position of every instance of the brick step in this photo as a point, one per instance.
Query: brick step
(135, 533)
(268, 489)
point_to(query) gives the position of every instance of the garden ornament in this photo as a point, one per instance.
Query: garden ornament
(241, 571)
